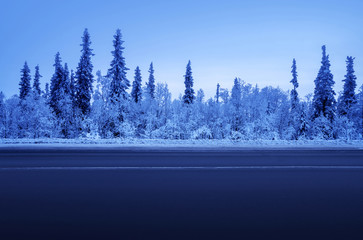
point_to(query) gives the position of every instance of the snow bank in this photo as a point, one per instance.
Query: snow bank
(160, 143)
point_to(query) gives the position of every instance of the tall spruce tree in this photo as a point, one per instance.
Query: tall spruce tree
(150, 85)
(66, 80)
(72, 88)
(2, 116)
(293, 95)
(359, 119)
(65, 116)
(217, 93)
(56, 85)
(295, 119)
(117, 72)
(236, 93)
(348, 98)
(36, 83)
(324, 101)
(236, 97)
(136, 92)
(25, 82)
(303, 128)
(188, 97)
(84, 77)
(46, 94)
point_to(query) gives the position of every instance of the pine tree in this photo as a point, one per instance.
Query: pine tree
(236, 103)
(150, 86)
(236, 93)
(136, 93)
(66, 81)
(84, 77)
(217, 93)
(359, 119)
(60, 99)
(117, 72)
(189, 91)
(36, 83)
(46, 94)
(72, 89)
(295, 117)
(293, 95)
(56, 85)
(2, 116)
(303, 128)
(324, 101)
(25, 82)
(348, 98)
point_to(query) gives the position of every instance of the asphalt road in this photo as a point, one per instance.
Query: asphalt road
(181, 194)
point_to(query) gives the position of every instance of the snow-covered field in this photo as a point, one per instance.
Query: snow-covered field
(166, 144)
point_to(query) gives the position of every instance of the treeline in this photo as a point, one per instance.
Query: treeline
(76, 104)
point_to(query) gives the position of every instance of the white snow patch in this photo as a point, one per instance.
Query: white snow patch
(180, 144)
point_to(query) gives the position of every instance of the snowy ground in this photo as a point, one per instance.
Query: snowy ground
(180, 144)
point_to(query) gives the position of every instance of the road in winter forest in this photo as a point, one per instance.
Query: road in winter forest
(145, 193)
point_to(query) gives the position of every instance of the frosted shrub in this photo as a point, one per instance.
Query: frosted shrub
(202, 133)
(345, 129)
(169, 131)
(290, 133)
(126, 130)
(322, 128)
(236, 136)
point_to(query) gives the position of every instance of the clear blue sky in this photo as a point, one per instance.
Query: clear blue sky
(254, 40)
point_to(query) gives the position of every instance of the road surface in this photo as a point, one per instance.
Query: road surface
(181, 194)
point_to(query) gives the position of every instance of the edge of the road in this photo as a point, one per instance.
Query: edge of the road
(169, 148)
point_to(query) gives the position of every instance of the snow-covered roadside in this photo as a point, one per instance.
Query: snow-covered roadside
(179, 144)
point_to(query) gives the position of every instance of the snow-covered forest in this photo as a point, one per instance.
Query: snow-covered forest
(77, 104)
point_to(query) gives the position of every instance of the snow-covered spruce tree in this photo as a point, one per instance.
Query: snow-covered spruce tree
(117, 72)
(359, 119)
(99, 112)
(25, 79)
(68, 122)
(188, 97)
(137, 111)
(36, 83)
(236, 97)
(150, 85)
(149, 105)
(348, 98)
(136, 92)
(65, 119)
(66, 80)
(304, 126)
(236, 93)
(84, 77)
(46, 93)
(60, 100)
(295, 116)
(324, 101)
(119, 99)
(72, 89)
(217, 93)
(293, 95)
(35, 119)
(55, 85)
(2, 116)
